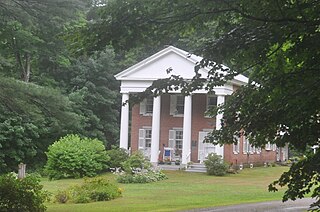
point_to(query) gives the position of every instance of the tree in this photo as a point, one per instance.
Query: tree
(93, 90)
(276, 43)
(31, 118)
(29, 33)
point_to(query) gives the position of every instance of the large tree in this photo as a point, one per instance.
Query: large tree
(29, 34)
(276, 43)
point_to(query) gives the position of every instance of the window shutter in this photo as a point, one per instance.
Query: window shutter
(143, 107)
(172, 135)
(268, 146)
(142, 134)
(173, 104)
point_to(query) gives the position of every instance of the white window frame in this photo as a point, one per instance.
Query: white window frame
(208, 106)
(174, 104)
(173, 138)
(146, 104)
(144, 141)
(268, 146)
(247, 147)
(258, 150)
(236, 147)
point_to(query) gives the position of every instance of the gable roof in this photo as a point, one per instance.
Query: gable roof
(179, 61)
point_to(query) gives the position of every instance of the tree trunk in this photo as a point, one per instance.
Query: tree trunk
(24, 65)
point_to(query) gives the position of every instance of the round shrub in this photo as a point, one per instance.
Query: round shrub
(72, 156)
(136, 160)
(22, 194)
(117, 157)
(93, 190)
(215, 165)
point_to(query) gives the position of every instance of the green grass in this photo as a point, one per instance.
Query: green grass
(180, 192)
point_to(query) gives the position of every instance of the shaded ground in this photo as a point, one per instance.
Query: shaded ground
(272, 206)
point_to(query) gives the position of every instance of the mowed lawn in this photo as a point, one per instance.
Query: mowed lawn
(181, 191)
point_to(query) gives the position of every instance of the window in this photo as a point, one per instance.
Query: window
(176, 139)
(180, 105)
(247, 147)
(268, 146)
(145, 138)
(149, 105)
(179, 138)
(236, 146)
(176, 105)
(146, 106)
(211, 102)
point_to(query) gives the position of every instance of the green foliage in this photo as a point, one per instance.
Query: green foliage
(117, 157)
(145, 176)
(31, 118)
(137, 169)
(301, 179)
(215, 165)
(21, 194)
(62, 196)
(94, 92)
(72, 156)
(136, 161)
(93, 190)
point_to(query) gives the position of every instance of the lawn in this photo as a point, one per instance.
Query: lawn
(181, 191)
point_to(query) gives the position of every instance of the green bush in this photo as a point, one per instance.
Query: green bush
(117, 157)
(92, 190)
(215, 165)
(62, 196)
(72, 156)
(136, 161)
(142, 177)
(21, 194)
(138, 170)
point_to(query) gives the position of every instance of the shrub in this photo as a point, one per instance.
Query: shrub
(21, 194)
(215, 165)
(72, 156)
(62, 196)
(141, 177)
(96, 189)
(136, 161)
(117, 157)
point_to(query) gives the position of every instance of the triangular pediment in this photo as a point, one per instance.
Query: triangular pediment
(155, 67)
(178, 61)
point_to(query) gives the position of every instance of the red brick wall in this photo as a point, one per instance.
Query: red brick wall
(244, 158)
(199, 122)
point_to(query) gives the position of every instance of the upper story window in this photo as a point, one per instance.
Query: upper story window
(149, 105)
(176, 105)
(211, 101)
(146, 106)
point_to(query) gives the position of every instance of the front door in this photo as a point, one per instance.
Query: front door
(204, 149)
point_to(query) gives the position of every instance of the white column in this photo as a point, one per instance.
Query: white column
(220, 101)
(187, 116)
(155, 136)
(124, 124)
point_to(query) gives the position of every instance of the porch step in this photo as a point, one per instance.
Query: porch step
(169, 167)
(197, 167)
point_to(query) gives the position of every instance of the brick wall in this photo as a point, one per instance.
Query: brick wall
(199, 123)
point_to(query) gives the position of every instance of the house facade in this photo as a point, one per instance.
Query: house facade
(172, 127)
